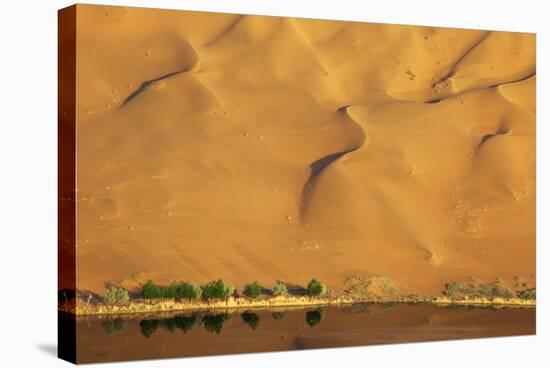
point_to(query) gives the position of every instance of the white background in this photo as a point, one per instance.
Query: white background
(28, 180)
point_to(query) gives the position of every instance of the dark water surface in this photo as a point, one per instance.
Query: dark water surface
(102, 339)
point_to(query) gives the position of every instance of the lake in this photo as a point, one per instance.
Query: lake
(152, 336)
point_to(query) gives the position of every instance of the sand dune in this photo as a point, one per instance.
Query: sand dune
(262, 148)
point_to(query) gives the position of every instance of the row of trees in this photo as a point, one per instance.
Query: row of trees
(183, 290)
(218, 289)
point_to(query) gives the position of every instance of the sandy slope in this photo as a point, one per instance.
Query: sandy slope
(261, 148)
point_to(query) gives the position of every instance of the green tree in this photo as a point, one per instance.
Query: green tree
(280, 289)
(170, 292)
(316, 288)
(217, 290)
(152, 291)
(116, 295)
(252, 290)
(186, 290)
(528, 294)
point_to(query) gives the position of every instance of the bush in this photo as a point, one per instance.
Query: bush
(252, 290)
(279, 289)
(414, 298)
(186, 290)
(116, 295)
(452, 289)
(316, 288)
(473, 288)
(152, 291)
(495, 289)
(369, 287)
(388, 287)
(217, 290)
(529, 294)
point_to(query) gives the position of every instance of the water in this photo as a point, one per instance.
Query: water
(139, 336)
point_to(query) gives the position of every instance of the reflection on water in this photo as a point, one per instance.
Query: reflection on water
(126, 337)
(116, 325)
(251, 319)
(184, 323)
(212, 322)
(314, 317)
(278, 315)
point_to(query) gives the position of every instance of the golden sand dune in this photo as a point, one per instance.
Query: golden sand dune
(263, 148)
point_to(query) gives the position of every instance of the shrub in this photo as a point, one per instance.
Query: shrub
(530, 294)
(495, 289)
(251, 319)
(252, 290)
(452, 289)
(370, 287)
(217, 290)
(186, 290)
(316, 288)
(116, 295)
(472, 288)
(279, 289)
(388, 287)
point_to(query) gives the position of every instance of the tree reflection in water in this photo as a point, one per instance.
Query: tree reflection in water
(180, 322)
(251, 319)
(314, 317)
(212, 322)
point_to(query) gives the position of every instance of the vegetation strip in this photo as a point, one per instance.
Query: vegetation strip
(182, 296)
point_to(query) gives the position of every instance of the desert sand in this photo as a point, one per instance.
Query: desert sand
(263, 148)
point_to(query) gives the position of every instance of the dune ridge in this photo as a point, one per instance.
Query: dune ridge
(317, 166)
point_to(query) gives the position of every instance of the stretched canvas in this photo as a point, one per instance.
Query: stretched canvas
(239, 183)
